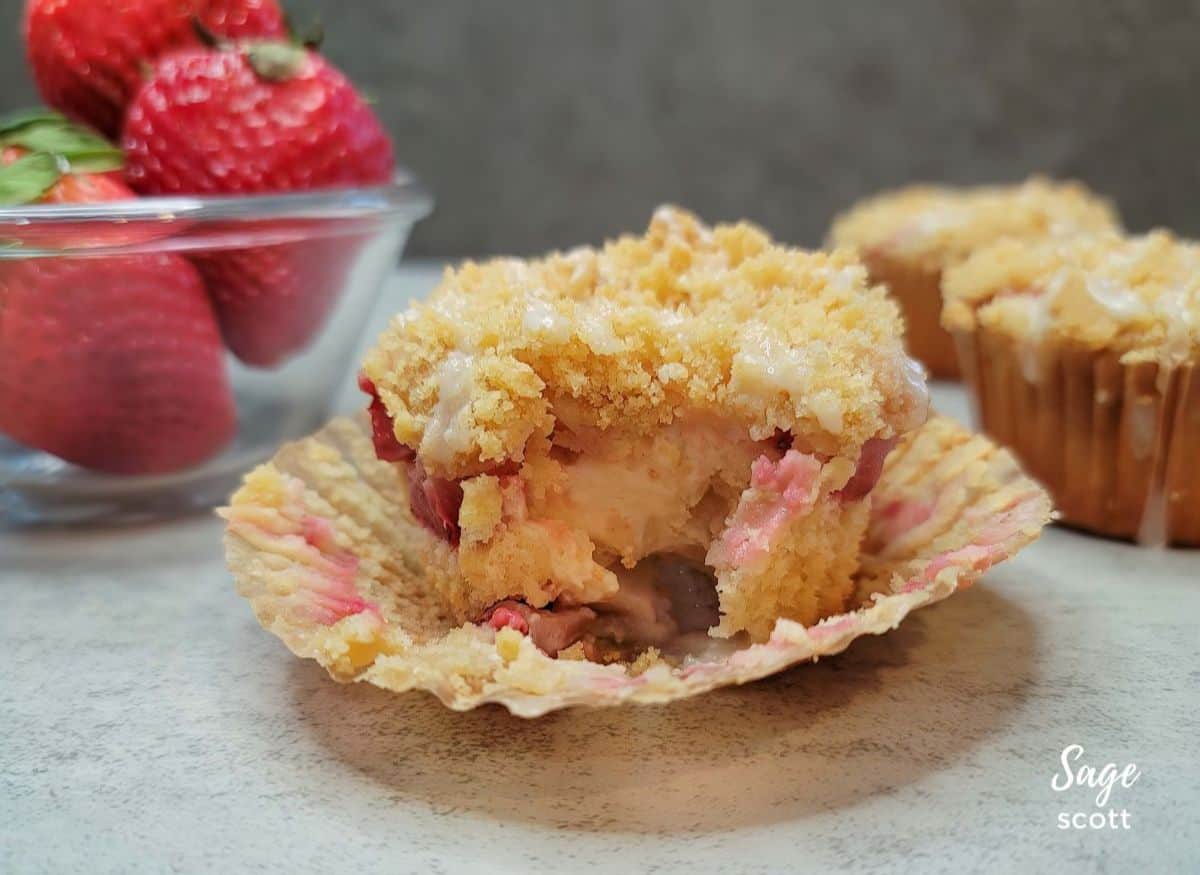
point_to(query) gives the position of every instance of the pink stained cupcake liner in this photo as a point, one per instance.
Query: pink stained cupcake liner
(322, 543)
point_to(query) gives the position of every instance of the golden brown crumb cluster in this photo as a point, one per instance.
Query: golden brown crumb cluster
(939, 226)
(1139, 296)
(687, 320)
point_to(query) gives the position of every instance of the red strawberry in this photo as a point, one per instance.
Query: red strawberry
(46, 144)
(252, 118)
(87, 55)
(273, 301)
(258, 117)
(112, 363)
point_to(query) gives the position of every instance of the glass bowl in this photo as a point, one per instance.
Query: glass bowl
(153, 350)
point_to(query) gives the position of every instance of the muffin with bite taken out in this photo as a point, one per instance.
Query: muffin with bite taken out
(701, 399)
(630, 473)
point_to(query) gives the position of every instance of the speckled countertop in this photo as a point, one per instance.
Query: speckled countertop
(148, 725)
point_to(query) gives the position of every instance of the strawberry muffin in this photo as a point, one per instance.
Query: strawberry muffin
(1082, 356)
(699, 398)
(625, 474)
(910, 237)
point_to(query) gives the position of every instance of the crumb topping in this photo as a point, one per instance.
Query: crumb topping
(684, 320)
(1139, 296)
(940, 225)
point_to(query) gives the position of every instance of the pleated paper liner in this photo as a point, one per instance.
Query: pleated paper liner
(322, 543)
(1117, 445)
(918, 291)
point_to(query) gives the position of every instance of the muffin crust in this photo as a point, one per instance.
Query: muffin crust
(939, 226)
(686, 320)
(1136, 296)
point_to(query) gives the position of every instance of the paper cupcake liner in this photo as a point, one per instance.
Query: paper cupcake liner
(918, 290)
(1116, 444)
(321, 542)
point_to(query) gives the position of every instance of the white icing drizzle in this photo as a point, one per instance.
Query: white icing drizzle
(1040, 320)
(844, 279)
(829, 410)
(1031, 355)
(595, 327)
(1152, 532)
(1143, 428)
(915, 378)
(448, 431)
(763, 362)
(1116, 297)
(1180, 332)
(541, 318)
(672, 371)
(929, 223)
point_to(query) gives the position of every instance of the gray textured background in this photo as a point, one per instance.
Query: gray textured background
(541, 123)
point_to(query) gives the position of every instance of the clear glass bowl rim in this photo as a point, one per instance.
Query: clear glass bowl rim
(403, 196)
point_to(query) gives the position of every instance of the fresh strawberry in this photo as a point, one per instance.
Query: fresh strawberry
(252, 118)
(35, 148)
(88, 55)
(113, 363)
(272, 301)
(91, 188)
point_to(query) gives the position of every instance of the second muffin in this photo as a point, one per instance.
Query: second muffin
(1082, 356)
(910, 237)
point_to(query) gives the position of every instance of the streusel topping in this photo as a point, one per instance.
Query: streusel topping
(940, 226)
(1139, 296)
(687, 320)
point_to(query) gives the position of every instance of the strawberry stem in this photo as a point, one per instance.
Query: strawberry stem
(275, 61)
(207, 37)
(312, 37)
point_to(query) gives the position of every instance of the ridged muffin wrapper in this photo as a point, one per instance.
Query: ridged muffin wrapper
(322, 543)
(1117, 444)
(917, 288)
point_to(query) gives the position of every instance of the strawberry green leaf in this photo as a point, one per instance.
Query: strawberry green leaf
(40, 131)
(27, 179)
(74, 144)
(99, 161)
(12, 122)
(208, 38)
